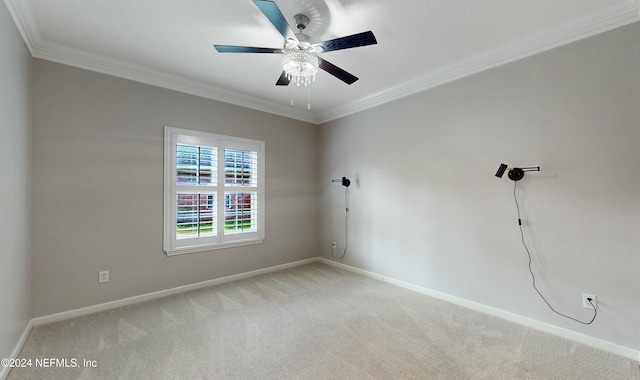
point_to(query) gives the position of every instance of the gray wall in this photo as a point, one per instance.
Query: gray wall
(97, 188)
(15, 193)
(427, 209)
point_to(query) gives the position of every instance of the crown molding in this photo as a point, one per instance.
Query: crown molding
(168, 81)
(55, 53)
(587, 26)
(24, 23)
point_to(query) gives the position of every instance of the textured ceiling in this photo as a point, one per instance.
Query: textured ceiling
(421, 43)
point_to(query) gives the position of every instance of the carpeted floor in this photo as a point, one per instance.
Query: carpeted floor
(309, 322)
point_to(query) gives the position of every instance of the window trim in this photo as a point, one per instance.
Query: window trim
(174, 135)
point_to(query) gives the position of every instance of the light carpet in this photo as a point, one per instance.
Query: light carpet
(310, 322)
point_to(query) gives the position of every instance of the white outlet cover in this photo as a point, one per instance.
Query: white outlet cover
(103, 277)
(585, 302)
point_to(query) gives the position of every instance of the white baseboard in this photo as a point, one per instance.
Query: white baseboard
(159, 294)
(511, 317)
(4, 371)
(528, 322)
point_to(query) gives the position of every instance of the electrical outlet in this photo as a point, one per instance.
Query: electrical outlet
(103, 276)
(333, 245)
(585, 301)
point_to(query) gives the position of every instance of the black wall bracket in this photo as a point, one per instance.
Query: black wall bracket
(515, 174)
(344, 181)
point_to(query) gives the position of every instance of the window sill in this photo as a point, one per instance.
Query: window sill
(211, 247)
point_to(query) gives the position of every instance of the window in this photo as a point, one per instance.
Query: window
(213, 191)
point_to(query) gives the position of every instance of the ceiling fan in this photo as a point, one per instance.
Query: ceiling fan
(301, 61)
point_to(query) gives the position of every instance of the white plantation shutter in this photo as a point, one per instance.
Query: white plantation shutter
(214, 191)
(241, 190)
(195, 201)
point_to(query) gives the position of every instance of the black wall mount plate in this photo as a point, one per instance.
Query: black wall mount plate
(516, 174)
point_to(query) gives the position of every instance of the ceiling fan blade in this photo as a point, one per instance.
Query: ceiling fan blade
(272, 12)
(245, 49)
(336, 71)
(355, 40)
(283, 80)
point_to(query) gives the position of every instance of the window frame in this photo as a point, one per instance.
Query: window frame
(174, 246)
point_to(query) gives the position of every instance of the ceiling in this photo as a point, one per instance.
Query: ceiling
(421, 43)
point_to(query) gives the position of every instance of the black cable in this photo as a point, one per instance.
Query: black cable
(346, 225)
(533, 277)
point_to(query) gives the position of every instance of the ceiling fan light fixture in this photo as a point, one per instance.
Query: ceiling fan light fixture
(301, 61)
(300, 66)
